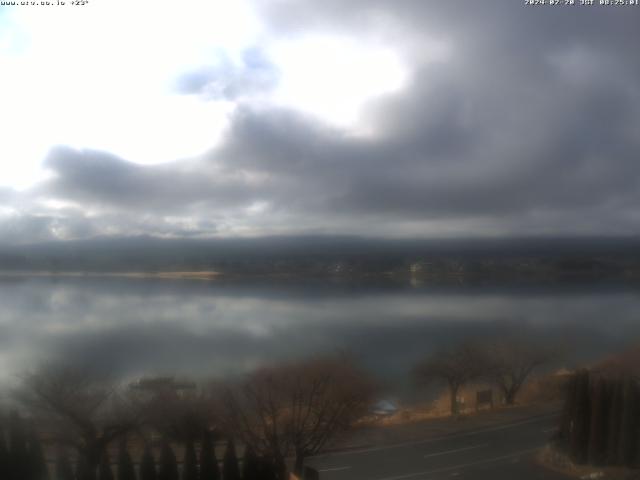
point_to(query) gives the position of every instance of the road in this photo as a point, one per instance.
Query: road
(503, 451)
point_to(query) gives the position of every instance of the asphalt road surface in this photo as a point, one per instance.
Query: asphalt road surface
(499, 452)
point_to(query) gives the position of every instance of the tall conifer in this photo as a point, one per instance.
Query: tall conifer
(615, 417)
(579, 445)
(628, 423)
(125, 469)
(148, 465)
(168, 469)
(598, 427)
(104, 470)
(230, 469)
(63, 470)
(190, 462)
(209, 469)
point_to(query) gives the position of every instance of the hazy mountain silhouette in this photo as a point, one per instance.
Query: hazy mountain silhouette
(306, 254)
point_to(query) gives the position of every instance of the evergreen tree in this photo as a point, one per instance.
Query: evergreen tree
(4, 457)
(628, 423)
(250, 464)
(84, 471)
(615, 417)
(311, 474)
(104, 470)
(598, 427)
(63, 470)
(209, 469)
(126, 470)
(266, 469)
(18, 450)
(579, 445)
(168, 465)
(566, 420)
(280, 468)
(190, 462)
(37, 462)
(148, 465)
(230, 470)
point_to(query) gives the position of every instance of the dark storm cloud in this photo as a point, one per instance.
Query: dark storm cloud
(527, 124)
(533, 114)
(102, 179)
(443, 153)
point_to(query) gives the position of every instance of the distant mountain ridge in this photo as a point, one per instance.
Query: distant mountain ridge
(334, 255)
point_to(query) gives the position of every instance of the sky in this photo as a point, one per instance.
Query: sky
(404, 118)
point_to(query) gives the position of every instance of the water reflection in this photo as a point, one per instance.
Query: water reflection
(133, 326)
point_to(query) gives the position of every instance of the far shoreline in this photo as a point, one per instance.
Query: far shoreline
(207, 275)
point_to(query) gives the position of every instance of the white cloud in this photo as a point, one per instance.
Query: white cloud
(333, 77)
(101, 77)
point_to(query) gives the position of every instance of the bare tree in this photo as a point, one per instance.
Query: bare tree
(298, 408)
(175, 408)
(80, 411)
(511, 361)
(455, 367)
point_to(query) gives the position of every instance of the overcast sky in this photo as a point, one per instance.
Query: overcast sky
(394, 118)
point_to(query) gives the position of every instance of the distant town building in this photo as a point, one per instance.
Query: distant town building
(163, 386)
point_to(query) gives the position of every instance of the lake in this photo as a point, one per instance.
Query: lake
(130, 327)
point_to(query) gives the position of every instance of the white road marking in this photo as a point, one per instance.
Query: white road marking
(336, 469)
(464, 449)
(464, 465)
(436, 439)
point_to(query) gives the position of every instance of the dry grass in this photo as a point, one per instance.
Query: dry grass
(543, 389)
(540, 390)
(549, 457)
(438, 408)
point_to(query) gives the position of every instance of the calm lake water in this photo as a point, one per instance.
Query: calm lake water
(133, 326)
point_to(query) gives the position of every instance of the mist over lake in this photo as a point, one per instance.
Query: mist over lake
(133, 327)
